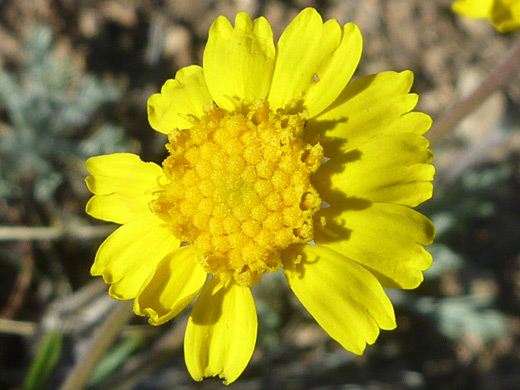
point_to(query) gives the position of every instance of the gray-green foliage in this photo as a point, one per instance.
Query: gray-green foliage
(445, 259)
(50, 105)
(460, 316)
(456, 317)
(470, 315)
(455, 207)
(454, 212)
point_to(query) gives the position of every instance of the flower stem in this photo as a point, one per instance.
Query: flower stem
(44, 233)
(102, 340)
(498, 77)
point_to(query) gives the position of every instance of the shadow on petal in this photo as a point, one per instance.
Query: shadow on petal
(208, 308)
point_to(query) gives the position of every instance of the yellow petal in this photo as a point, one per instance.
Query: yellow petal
(367, 107)
(387, 239)
(473, 8)
(131, 253)
(344, 298)
(505, 15)
(221, 333)
(314, 62)
(122, 185)
(171, 286)
(179, 101)
(238, 62)
(389, 168)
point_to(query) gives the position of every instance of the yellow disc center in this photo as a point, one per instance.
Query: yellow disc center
(238, 188)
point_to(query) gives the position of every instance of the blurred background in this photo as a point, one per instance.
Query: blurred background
(74, 80)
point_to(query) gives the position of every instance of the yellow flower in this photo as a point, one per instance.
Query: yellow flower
(503, 14)
(274, 163)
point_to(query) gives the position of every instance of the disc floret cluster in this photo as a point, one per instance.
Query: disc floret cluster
(238, 187)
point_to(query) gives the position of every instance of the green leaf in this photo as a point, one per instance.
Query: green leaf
(43, 364)
(115, 358)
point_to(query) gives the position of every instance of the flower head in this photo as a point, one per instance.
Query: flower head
(275, 162)
(504, 15)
